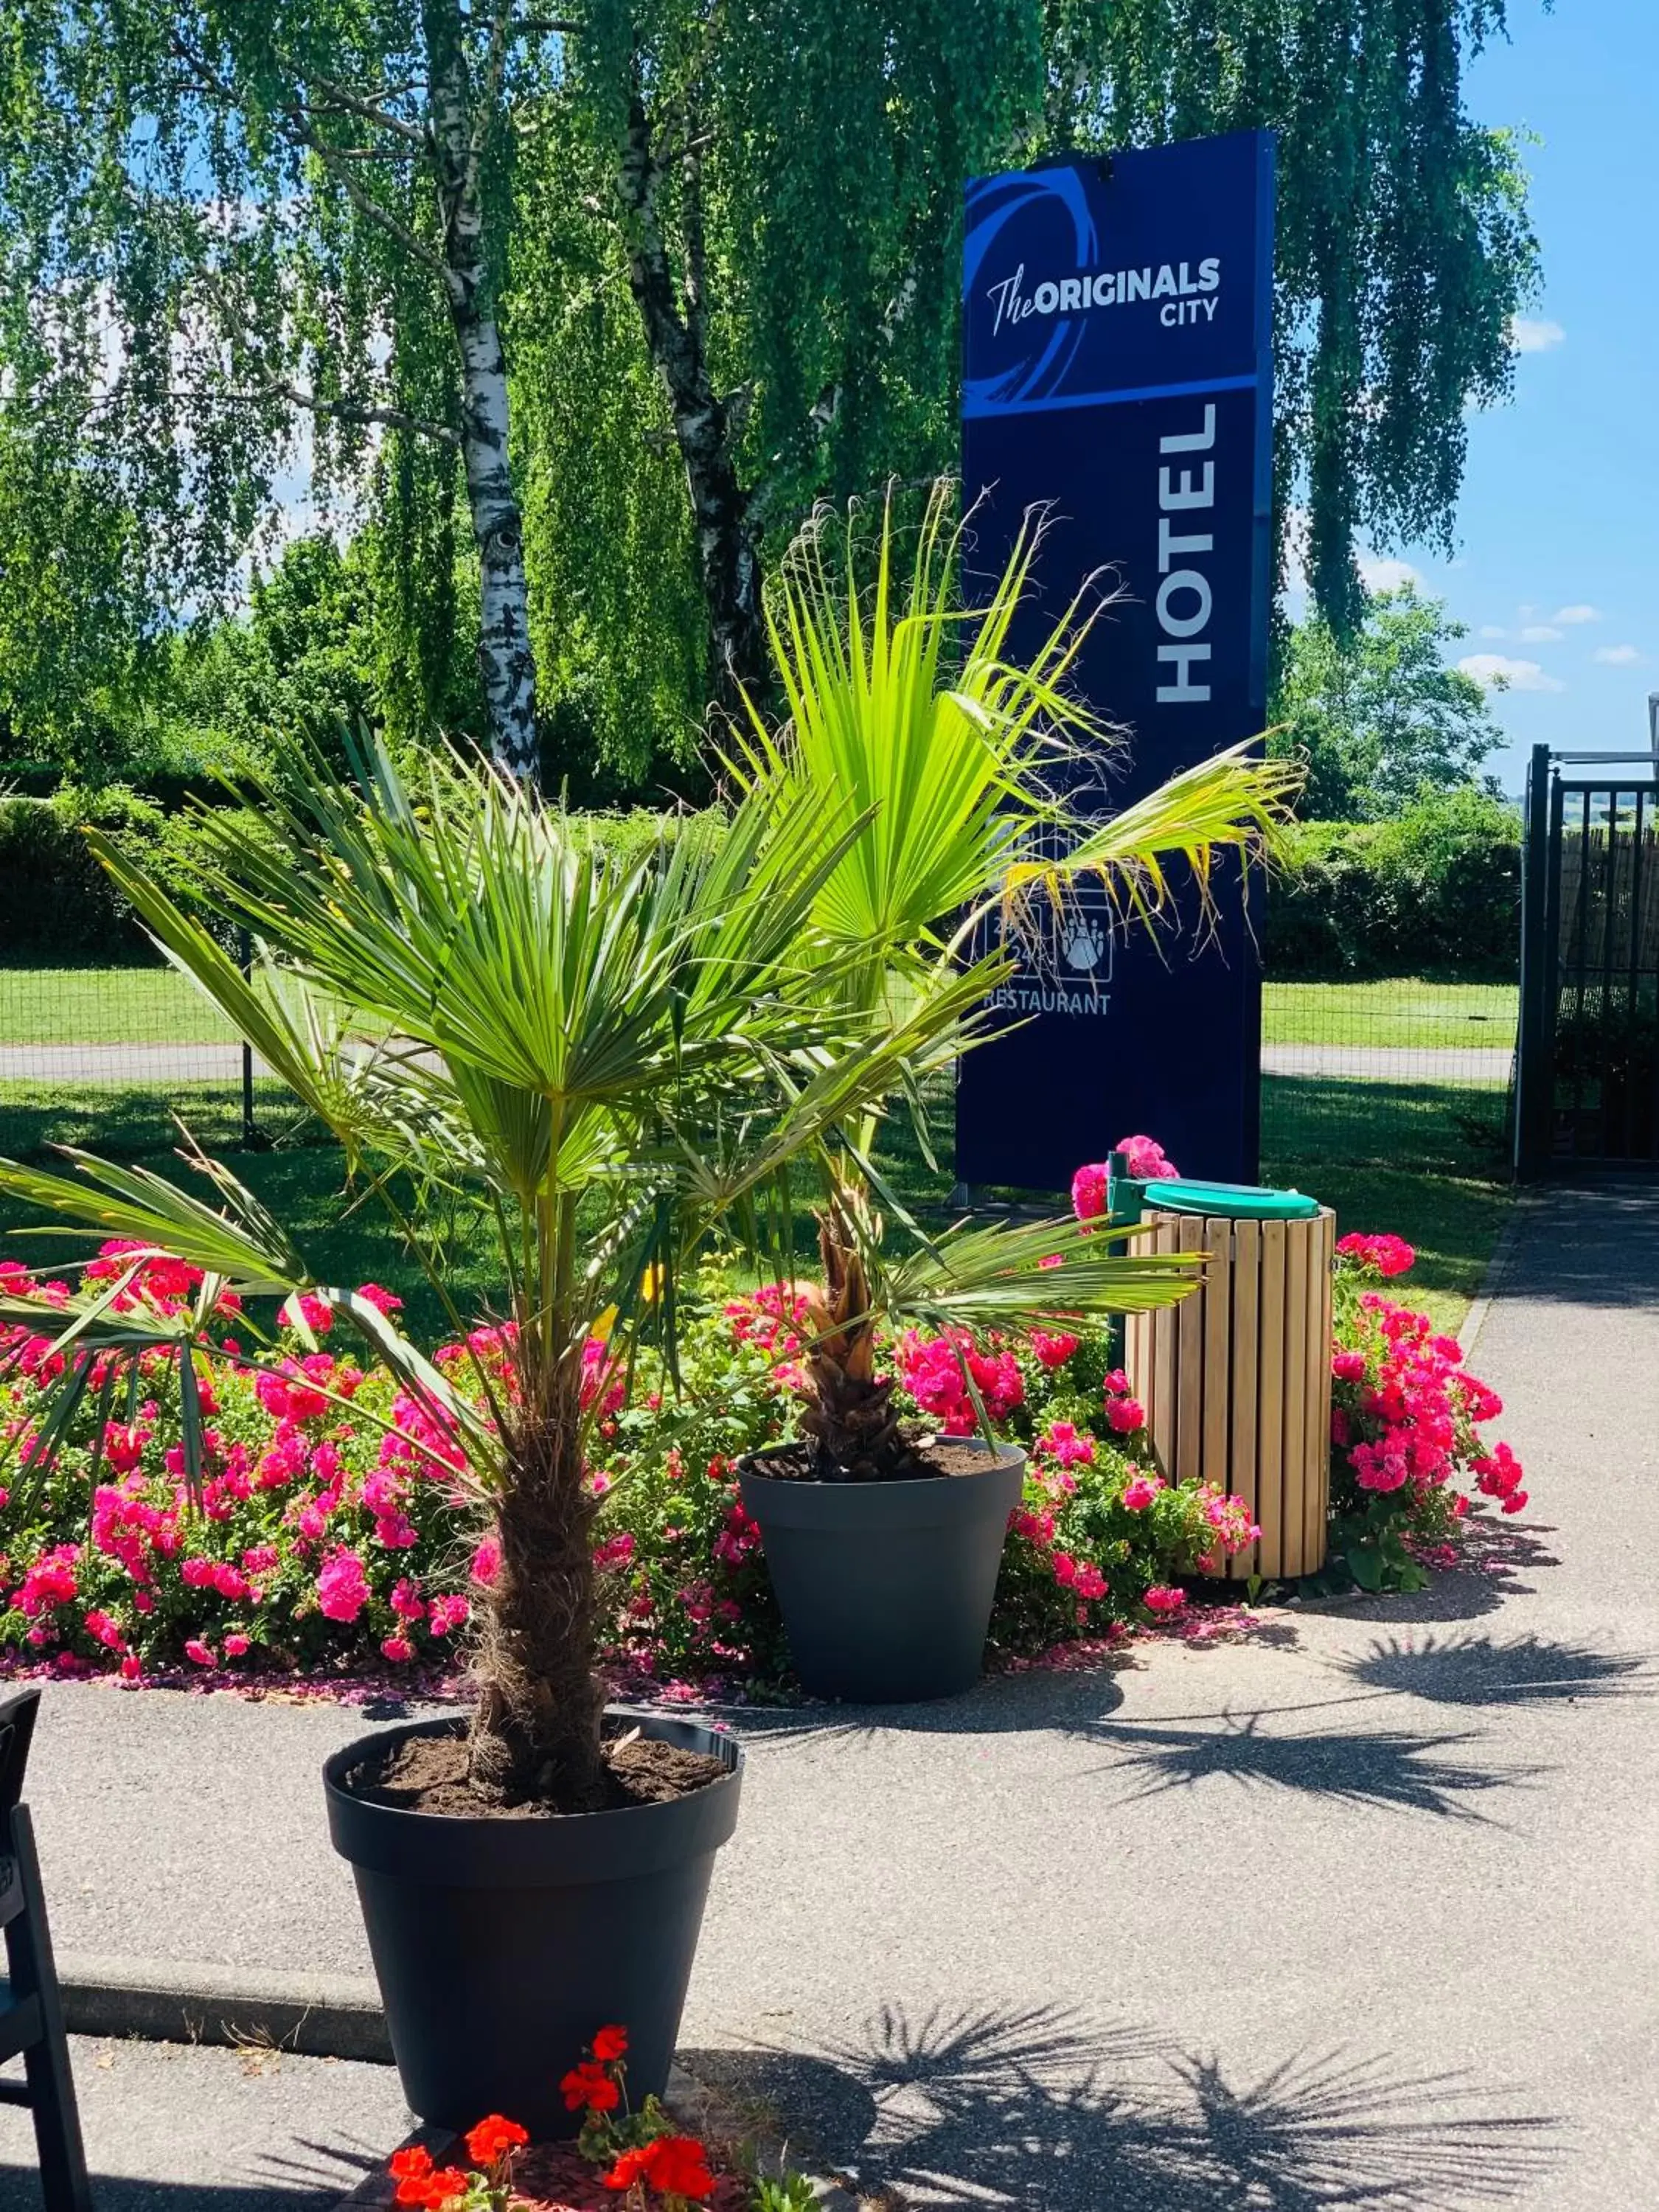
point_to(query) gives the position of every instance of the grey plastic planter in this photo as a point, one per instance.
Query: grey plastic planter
(501, 1946)
(885, 1587)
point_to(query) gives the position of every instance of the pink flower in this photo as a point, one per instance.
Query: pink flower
(131, 1670)
(1388, 1254)
(1061, 1442)
(200, 1654)
(1125, 1415)
(1514, 1502)
(1053, 1351)
(1348, 1366)
(1088, 1188)
(487, 1561)
(1140, 1493)
(398, 1648)
(447, 1612)
(236, 1646)
(1117, 1384)
(382, 1301)
(1164, 1597)
(105, 1630)
(1145, 1159)
(318, 1316)
(342, 1587)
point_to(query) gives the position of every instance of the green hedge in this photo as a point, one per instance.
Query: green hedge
(1436, 890)
(55, 901)
(56, 904)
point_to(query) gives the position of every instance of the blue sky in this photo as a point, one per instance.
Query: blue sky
(1559, 523)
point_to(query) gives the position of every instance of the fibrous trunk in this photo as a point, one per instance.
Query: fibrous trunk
(507, 666)
(535, 1731)
(848, 1413)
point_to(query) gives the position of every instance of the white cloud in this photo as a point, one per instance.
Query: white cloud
(1616, 656)
(1492, 629)
(1576, 614)
(1384, 572)
(1499, 673)
(1532, 334)
(1541, 634)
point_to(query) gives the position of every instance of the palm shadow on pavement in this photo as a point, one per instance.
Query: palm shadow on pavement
(1389, 1768)
(1052, 2110)
(1480, 1670)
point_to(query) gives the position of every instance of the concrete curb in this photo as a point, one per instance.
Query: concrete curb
(188, 2000)
(1497, 1268)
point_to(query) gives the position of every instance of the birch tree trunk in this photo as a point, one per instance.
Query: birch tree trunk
(728, 556)
(507, 666)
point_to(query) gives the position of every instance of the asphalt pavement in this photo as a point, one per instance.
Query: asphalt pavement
(1363, 1909)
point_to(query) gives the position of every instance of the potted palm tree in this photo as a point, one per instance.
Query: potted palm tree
(972, 771)
(596, 1066)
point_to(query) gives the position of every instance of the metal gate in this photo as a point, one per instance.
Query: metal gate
(1586, 1091)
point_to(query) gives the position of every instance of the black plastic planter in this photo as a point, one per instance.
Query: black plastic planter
(885, 1587)
(501, 1946)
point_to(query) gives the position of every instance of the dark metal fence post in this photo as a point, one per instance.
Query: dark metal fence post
(244, 953)
(1535, 1076)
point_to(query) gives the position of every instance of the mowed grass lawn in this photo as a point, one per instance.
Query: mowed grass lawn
(1342, 1140)
(1453, 1220)
(154, 1005)
(106, 1006)
(1398, 1011)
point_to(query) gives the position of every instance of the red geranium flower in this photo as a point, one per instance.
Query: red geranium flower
(493, 2138)
(680, 2166)
(609, 2044)
(677, 2165)
(419, 2182)
(589, 2084)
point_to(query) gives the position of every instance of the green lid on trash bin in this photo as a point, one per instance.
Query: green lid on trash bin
(1227, 1201)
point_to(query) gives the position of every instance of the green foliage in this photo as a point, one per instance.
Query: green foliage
(1378, 715)
(1437, 889)
(181, 259)
(55, 901)
(298, 665)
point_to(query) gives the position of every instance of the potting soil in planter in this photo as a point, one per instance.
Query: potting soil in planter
(429, 1774)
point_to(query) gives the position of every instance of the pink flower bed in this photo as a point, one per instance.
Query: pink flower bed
(329, 1538)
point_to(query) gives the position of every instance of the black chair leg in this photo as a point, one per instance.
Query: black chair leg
(64, 2181)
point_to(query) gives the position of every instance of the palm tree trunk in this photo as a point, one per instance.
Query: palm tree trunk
(848, 1413)
(536, 1730)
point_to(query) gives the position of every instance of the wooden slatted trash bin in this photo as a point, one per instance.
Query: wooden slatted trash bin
(1236, 1379)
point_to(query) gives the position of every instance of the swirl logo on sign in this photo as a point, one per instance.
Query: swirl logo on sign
(1041, 220)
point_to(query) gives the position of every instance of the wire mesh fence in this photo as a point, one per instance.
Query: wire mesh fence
(1395, 1069)
(114, 1058)
(1402, 1070)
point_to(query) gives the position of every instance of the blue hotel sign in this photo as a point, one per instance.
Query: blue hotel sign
(1118, 368)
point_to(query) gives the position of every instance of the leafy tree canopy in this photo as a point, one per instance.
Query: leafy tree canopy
(1380, 715)
(712, 254)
